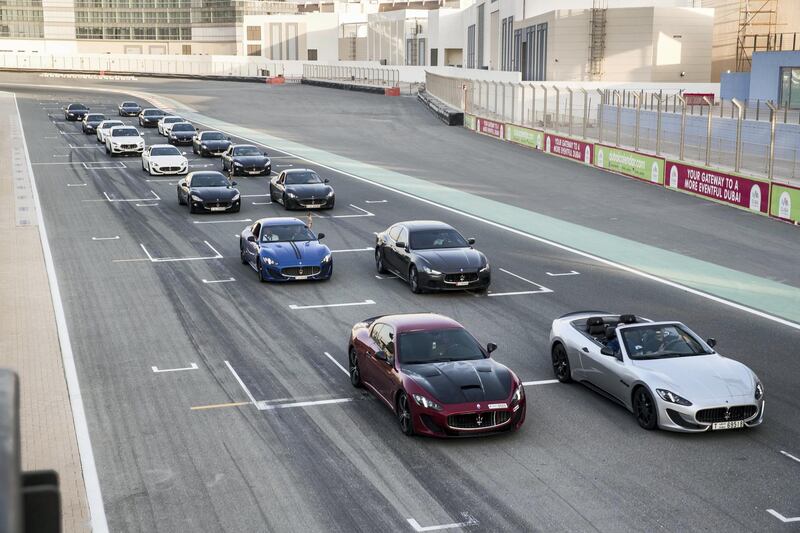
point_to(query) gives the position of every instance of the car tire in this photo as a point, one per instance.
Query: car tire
(379, 266)
(181, 201)
(644, 408)
(413, 280)
(354, 371)
(260, 271)
(241, 252)
(404, 415)
(561, 367)
(236, 210)
(143, 168)
(107, 150)
(283, 201)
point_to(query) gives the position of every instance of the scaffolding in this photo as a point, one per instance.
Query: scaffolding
(758, 25)
(597, 45)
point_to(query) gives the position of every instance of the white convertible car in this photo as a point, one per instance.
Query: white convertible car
(104, 127)
(662, 372)
(160, 159)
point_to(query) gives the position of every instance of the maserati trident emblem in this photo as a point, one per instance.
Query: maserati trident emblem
(463, 277)
(727, 413)
(478, 406)
(479, 420)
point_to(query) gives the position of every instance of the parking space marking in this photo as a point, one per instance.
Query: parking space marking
(222, 221)
(105, 238)
(60, 155)
(219, 280)
(385, 276)
(320, 306)
(192, 366)
(335, 362)
(157, 197)
(175, 259)
(784, 519)
(218, 405)
(146, 205)
(541, 290)
(570, 273)
(241, 383)
(161, 180)
(469, 522)
(76, 184)
(540, 382)
(790, 456)
(255, 195)
(375, 201)
(99, 165)
(264, 406)
(351, 250)
(261, 203)
(364, 213)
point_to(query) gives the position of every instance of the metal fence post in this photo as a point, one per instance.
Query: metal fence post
(558, 105)
(600, 114)
(738, 105)
(773, 112)
(585, 111)
(619, 113)
(533, 106)
(544, 110)
(658, 123)
(708, 131)
(683, 126)
(637, 99)
(503, 116)
(569, 90)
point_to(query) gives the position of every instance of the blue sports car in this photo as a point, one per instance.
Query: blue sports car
(284, 249)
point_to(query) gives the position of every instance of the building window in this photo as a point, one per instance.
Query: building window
(291, 42)
(254, 49)
(434, 57)
(312, 54)
(471, 46)
(254, 33)
(790, 87)
(480, 35)
(186, 49)
(422, 52)
(509, 48)
(275, 41)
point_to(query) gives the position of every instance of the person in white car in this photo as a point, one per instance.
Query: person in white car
(165, 124)
(104, 127)
(161, 159)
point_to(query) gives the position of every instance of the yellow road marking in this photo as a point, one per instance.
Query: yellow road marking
(217, 405)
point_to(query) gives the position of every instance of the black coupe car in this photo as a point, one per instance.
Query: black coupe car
(431, 255)
(149, 117)
(301, 188)
(129, 109)
(73, 112)
(246, 159)
(91, 121)
(182, 132)
(210, 143)
(208, 190)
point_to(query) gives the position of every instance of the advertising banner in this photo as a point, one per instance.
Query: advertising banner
(785, 202)
(526, 136)
(469, 122)
(727, 188)
(569, 148)
(490, 127)
(629, 163)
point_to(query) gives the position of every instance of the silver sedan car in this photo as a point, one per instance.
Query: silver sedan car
(662, 372)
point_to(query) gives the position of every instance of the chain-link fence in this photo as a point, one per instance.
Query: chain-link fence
(755, 137)
(387, 77)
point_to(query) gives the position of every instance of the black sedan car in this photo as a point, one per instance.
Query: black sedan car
(208, 190)
(431, 255)
(246, 159)
(182, 133)
(129, 109)
(73, 112)
(149, 117)
(301, 188)
(210, 143)
(90, 122)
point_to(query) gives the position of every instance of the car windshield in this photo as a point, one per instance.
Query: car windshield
(130, 104)
(153, 112)
(302, 178)
(210, 179)
(660, 341)
(213, 136)
(246, 150)
(437, 346)
(170, 120)
(286, 233)
(112, 123)
(125, 132)
(182, 127)
(165, 150)
(78, 107)
(436, 238)
(94, 117)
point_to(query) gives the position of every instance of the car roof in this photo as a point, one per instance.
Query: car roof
(275, 221)
(198, 172)
(419, 322)
(297, 170)
(172, 146)
(76, 104)
(244, 145)
(424, 224)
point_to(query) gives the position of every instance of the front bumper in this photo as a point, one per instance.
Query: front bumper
(167, 171)
(214, 207)
(310, 203)
(446, 281)
(212, 152)
(88, 128)
(293, 272)
(252, 171)
(180, 140)
(149, 123)
(74, 116)
(684, 419)
(123, 150)
(467, 420)
(132, 113)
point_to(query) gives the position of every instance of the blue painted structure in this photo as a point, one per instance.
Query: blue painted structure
(764, 79)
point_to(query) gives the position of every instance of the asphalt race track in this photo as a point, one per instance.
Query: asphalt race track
(222, 445)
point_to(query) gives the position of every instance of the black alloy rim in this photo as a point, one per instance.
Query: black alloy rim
(560, 363)
(412, 279)
(644, 408)
(355, 375)
(378, 260)
(404, 413)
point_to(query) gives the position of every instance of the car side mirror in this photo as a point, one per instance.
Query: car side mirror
(320, 236)
(251, 238)
(400, 244)
(234, 184)
(711, 342)
(326, 180)
(470, 241)
(491, 347)
(380, 355)
(183, 153)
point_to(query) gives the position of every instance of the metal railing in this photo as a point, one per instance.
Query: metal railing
(653, 122)
(379, 76)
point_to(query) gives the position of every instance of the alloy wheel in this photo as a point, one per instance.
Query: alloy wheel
(645, 409)
(413, 280)
(561, 366)
(379, 261)
(404, 415)
(355, 372)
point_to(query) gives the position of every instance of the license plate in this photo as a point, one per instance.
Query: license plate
(218, 208)
(254, 171)
(734, 424)
(300, 277)
(462, 283)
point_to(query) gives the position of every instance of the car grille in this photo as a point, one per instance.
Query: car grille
(461, 277)
(483, 420)
(169, 169)
(127, 146)
(312, 203)
(726, 414)
(292, 272)
(217, 204)
(254, 169)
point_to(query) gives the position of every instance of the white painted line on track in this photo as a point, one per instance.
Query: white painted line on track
(541, 290)
(540, 382)
(364, 213)
(255, 195)
(222, 221)
(298, 307)
(784, 519)
(570, 273)
(352, 250)
(146, 205)
(261, 203)
(192, 366)
(57, 155)
(219, 280)
(76, 184)
(71, 133)
(94, 496)
(262, 406)
(176, 259)
(108, 198)
(90, 165)
(105, 238)
(790, 456)
(241, 383)
(335, 362)
(414, 524)
(385, 276)
(375, 201)
(169, 180)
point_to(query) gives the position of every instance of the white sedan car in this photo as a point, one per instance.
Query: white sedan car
(165, 124)
(160, 159)
(104, 127)
(124, 140)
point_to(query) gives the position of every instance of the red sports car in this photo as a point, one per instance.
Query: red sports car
(435, 376)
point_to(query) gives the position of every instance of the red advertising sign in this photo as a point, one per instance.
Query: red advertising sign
(720, 186)
(570, 148)
(697, 98)
(490, 127)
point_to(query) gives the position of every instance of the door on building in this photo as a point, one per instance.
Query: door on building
(523, 60)
(790, 87)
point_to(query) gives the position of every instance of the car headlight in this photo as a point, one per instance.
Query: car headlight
(154, 165)
(204, 146)
(196, 198)
(485, 267)
(235, 197)
(428, 270)
(326, 259)
(519, 394)
(425, 402)
(671, 397)
(270, 261)
(291, 195)
(237, 164)
(268, 162)
(172, 136)
(759, 390)
(330, 194)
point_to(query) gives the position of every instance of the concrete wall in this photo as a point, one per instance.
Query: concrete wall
(532, 8)
(765, 75)
(682, 40)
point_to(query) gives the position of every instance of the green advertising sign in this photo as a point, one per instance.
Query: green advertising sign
(469, 121)
(525, 136)
(785, 203)
(631, 164)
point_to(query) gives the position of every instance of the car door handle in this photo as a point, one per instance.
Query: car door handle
(585, 349)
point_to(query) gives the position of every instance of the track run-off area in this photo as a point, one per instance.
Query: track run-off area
(217, 403)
